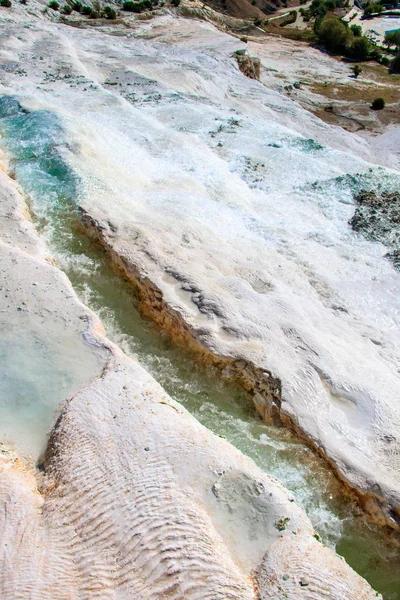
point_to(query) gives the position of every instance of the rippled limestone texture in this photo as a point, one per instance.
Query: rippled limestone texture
(138, 500)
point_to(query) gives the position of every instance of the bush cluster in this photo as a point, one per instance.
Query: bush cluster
(110, 13)
(5, 3)
(337, 37)
(319, 8)
(373, 8)
(93, 12)
(137, 7)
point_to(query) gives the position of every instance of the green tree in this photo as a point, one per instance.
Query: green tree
(360, 48)
(110, 13)
(357, 30)
(356, 70)
(333, 34)
(392, 38)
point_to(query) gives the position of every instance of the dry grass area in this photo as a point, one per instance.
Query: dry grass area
(349, 103)
(359, 90)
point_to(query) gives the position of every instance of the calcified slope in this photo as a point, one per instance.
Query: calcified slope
(231, 203)
(140, 501)
(135, 499)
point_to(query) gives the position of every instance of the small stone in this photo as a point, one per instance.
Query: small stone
(146, 449)
(304, 582)
(285, 577)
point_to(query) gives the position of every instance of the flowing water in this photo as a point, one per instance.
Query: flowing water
(32, 142)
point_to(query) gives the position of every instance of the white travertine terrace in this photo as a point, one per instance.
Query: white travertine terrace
(135, 499)
(201, 182)
(234, 202)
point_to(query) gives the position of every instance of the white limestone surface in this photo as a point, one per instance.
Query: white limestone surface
(235, 202)
(132, 498)
(138, 500)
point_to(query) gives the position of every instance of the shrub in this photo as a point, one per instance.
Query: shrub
(360, 48)
(356, 70)
(395, 64)
(333, 34)
(244, 40)
(5, 3)
(357, 30)
(77, 6)
(378, 104)
(131, 6)
(384, 60)
(372, 9)
(53, 4)
(66, 9)
(175, 2)
(110, 13)
(86, 10)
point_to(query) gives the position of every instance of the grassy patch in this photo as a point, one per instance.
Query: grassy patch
(357, 92)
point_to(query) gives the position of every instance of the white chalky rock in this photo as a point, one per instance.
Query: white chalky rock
(135, 499)
(139, 500)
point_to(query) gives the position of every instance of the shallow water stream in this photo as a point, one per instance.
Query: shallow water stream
(32, 142)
